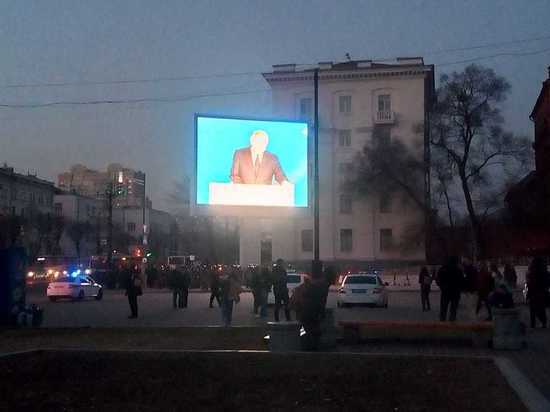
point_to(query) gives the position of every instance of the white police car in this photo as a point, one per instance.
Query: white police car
(76, 285)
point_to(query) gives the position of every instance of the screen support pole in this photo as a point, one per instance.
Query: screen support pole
(316, 269)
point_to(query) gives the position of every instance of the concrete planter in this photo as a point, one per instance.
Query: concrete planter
(509, 332)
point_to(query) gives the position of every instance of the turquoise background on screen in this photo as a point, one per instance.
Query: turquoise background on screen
(218, 138)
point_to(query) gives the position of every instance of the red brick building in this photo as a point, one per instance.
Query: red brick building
(529, 201)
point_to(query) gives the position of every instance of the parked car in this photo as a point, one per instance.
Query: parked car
(362, 288)
(294, 280)
(74, 287)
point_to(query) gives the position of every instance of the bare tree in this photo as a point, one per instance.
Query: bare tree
(77, 232)
(466, 127)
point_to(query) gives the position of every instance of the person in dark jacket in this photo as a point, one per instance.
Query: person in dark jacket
(133, 290)
(510, 275)
(175, 283)
(280, 290)
(485, 285)
(425, 281)
(470, 275)
(214, 287)
(537, 292)
(450, 280)
(185, 284)
(255, 286)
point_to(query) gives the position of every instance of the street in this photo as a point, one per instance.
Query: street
(155, 309)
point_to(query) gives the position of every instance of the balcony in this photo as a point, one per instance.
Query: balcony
(385, 117)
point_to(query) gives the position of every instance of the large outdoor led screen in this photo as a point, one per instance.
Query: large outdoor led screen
(246, 162)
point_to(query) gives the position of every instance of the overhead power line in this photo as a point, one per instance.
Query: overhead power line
(240, 74)
(504, 54)
(127, 101)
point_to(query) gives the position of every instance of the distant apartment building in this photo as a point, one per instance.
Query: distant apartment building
(128, 184)
(354, 98)
(21, 194)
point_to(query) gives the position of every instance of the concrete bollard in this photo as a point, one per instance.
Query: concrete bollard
(509, 332)
(284, 336)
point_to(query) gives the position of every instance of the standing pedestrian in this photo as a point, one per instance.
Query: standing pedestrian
(264, 287)
(425, 281)
(537, 290)
(214, 287)
(280, 290)
(510, 276)
(133, 290)
(450, 280)
(484, 285)
(185, 284)
(175, 283)
(255, 286)
(230, 291)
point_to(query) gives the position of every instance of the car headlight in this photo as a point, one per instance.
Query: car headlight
(64, 272)
(30, 274)
(88, 271)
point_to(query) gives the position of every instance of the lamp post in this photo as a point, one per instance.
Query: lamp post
(317, 265)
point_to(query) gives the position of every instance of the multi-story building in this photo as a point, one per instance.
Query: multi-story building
(22, 193)
(355, 98)
(128, 184)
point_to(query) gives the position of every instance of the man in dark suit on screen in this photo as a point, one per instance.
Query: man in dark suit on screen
(255, 165)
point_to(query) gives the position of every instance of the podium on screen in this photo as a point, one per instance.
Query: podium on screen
(234, 194)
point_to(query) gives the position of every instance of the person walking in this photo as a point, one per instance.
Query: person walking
(280, 290)
(185, 284)
(230, 291)
(450, 280)
(425, 281)
(485, 285)
(537, 291)
(255, 286)
(510, 276)
(214, 287)
(133, 290)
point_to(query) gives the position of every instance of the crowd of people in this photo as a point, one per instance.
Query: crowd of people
(494, 289)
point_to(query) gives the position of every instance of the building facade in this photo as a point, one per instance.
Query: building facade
(355, 98)
(22, 193)
(127, 184)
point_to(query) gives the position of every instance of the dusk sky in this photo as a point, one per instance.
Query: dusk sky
(94, 41)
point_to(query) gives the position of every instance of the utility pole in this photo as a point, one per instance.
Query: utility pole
(109, 194)
(317, 269)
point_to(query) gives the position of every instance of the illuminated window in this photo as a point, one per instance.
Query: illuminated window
(344, 104)
(346, 240)
(344, 138)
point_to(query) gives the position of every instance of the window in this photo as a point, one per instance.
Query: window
(384, 103)
(345, 204)
(40, 199)
(306, 108)
(344, 138)
(358, 280)
(58, 209)
(382, 135)
(386, 239)
(346, 240)
(131, 227)
(385, 203)
(307, 240)
(344, 104)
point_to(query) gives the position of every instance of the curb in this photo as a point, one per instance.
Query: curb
(531, 397)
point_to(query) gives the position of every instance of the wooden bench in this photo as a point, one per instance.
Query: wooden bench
(479, 333)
